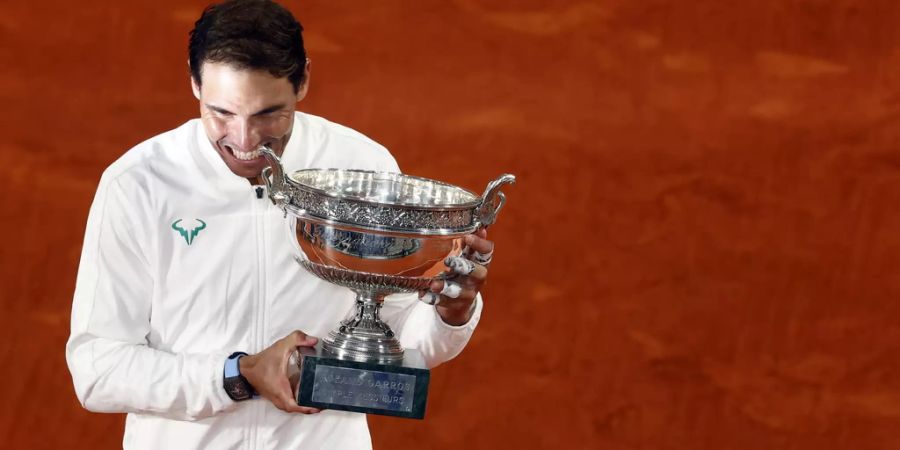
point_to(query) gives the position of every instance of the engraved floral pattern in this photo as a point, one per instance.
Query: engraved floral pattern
(380, 215)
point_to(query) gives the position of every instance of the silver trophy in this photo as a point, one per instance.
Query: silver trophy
(377, 233)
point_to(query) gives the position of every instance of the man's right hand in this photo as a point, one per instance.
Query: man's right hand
(266, 371)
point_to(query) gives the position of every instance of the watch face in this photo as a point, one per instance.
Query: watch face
(237, 388)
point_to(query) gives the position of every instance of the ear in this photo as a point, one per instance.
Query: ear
(304, 88)
(195, 88)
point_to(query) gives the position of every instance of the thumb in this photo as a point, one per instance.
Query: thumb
(302, 340)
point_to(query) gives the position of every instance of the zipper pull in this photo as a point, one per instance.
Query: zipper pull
(259, 192)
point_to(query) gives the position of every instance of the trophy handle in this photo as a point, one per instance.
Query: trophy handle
(492, 201)
(273, 176)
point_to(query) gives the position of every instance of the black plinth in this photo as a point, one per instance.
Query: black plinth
(327, 382)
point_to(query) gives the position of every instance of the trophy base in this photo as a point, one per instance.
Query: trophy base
(393, 389)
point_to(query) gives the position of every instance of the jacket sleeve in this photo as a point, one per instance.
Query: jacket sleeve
(113, 368)
(418, 325)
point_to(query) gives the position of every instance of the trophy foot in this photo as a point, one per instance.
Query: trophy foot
(364, 346)
(328, 382)
(364, 337)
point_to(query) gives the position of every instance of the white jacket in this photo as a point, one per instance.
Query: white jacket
(156, 312)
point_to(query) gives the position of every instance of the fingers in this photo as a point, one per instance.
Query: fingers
(268, 372)
(300, 339)
(466, 268)
(289, 404)
(459, 290)
(454, 295)
(464, 284)
(480, 249)
(430, 298)
(479, 243)
(289, 354)
(286, 401)
(444, 292)
(451, 289)
(306, 410)
(459, 265)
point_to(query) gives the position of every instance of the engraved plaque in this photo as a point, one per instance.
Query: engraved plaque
(364, 388)
(322, 380)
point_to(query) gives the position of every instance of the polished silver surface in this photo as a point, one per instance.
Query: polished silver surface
(386, 188)
(376, 233)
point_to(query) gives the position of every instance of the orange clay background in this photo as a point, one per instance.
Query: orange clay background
(702, 251)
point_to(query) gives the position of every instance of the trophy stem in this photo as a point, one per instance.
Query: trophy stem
(364, 337)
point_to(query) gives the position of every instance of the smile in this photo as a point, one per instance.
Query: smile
(244, 156)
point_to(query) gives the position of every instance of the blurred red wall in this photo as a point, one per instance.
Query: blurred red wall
(701, 251)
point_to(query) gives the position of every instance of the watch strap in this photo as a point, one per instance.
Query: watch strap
(236, 386)
(231, 364)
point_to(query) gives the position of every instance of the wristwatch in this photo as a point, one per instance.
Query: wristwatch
(236, 386)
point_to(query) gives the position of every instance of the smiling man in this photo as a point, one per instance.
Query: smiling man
(188, 303)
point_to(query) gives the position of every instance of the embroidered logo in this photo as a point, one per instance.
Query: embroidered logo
(188, 235)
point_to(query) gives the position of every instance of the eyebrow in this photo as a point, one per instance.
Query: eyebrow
(261, 112)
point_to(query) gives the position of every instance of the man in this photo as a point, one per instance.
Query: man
(186, 262)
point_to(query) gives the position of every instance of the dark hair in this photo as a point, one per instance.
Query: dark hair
(249, 34)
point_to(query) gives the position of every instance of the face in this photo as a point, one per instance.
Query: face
(244, 109)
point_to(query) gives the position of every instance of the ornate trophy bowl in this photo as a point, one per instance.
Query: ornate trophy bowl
(376, 233)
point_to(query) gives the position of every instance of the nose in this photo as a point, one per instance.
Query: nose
(244, 135)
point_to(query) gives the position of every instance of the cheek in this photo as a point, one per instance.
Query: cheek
(275, 128)
(215, 128)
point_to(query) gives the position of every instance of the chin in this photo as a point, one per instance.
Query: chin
(246, 173)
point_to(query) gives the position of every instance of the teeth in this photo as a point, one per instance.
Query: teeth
(245, 156)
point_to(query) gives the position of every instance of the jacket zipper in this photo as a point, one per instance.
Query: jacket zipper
(260, 225)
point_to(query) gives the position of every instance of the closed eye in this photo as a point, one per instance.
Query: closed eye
(220, 111)
(263, 112)
(269, 111)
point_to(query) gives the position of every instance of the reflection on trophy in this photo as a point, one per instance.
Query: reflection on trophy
(377, 233)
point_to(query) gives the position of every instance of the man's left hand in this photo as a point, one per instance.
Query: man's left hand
(453, 298)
